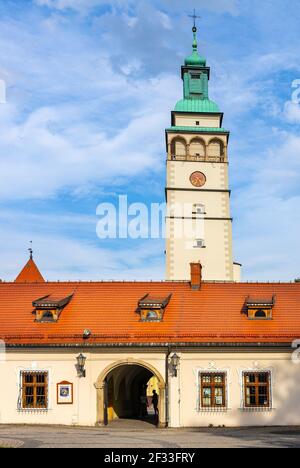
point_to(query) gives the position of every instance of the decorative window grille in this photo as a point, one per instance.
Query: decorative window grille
(213, 390)
(257, 390)
(34, 390)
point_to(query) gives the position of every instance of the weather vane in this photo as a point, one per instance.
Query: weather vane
(30, 251)
(195, 17)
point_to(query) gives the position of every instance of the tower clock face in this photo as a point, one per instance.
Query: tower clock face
(198, 179)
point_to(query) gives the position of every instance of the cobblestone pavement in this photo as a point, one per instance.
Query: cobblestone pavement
(130, 434)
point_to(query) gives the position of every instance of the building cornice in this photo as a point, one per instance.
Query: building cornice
(174, 345)
(177, 189)
(196, 130)
(204, 218)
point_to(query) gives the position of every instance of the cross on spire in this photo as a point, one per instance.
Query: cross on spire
(195, 17)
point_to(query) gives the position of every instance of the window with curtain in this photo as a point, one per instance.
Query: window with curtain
(213, 390)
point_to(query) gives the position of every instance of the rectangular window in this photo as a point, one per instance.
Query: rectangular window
(257, 389)
(213, 390)
(34, 390)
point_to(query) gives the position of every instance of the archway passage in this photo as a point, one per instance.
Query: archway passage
(125, 391)
(128, 394)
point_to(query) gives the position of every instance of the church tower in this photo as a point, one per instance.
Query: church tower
(199, 223)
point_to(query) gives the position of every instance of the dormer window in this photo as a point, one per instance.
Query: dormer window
(153, 315)
(260, 309)
(48, 316)
(49, 308)
(152, 309)
(261, 314)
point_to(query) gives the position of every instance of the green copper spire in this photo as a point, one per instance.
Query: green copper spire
(195, 59)
(195, 75)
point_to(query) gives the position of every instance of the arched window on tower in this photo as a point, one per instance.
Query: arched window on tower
(197, 150)
(178, 149)
(216, 150)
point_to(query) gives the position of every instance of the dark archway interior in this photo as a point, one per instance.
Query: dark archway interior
(126, 393)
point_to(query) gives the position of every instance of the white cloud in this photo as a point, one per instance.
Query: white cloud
(38, 161)
(165, 20)
(79, 5)
(218, 6)
(71, 121)
(268, 216)
(62, 258)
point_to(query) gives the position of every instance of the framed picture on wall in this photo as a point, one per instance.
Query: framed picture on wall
(65, 393)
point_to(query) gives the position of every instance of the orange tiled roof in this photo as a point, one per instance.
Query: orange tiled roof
(30, 274)
(212, 315)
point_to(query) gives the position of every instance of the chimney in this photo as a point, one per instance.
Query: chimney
(196, 276)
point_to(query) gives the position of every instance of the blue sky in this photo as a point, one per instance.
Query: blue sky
(90, 85)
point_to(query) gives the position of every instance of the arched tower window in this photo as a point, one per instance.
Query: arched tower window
(215, 149)
(197, 149)
(178, 149)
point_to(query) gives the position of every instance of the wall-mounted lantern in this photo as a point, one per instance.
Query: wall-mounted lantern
(174, 364)
(81, 360)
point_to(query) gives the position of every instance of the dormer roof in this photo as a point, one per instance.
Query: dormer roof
(260, 302)
(153, 302)
(52, 302)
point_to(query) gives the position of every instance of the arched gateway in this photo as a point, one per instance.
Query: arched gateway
(119, 389)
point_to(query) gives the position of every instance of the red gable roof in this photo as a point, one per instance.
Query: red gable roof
(214, 314)
(30, 274)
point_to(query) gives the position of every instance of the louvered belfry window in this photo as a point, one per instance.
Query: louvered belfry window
(35, 390)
